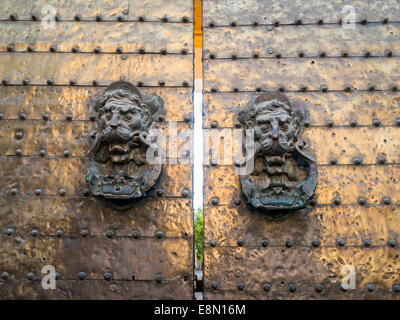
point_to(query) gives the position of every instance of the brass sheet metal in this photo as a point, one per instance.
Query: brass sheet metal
(28, 174)
(327, 143)
(59, 101)
(57, 136)
(226, 224)
(151, 10)
(312, 295)
(332, 39)
(305, 267)
(339, 106)
(130, 36)
(349, 182)
(123, 257)
(97, 290)
(47, 214)
(105, 68)
(223, 12)
(293, 73)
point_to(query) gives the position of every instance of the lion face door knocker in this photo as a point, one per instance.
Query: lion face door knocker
(117, 162)
(283, 176)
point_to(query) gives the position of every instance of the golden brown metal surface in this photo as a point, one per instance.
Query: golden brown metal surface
(353, 133)
(39, 67)
(130, 36)
(60, 101)
(51, 80)
(294, 73)
(152, 10)
(97, 290)
(74, 214)
(372, 182)
(339, 107)
(333, 39)
(327, 223)
(123, 257)
(223, 12)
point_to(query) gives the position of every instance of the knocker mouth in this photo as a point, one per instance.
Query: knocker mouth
(119, 149)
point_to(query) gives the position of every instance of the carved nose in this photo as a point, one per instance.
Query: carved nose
(114, 121)
(275, 134)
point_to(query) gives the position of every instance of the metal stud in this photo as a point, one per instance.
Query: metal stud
(357, 160)
(240, 242)
(371, 87)
(381, 160)
(237, 201)
(363, 21)
(187, 118)
(396, 288)
(119, 50)
(161, 83)
(255, 55)
(135, 234)
(324, 88)
(306, 123)
(344, 288)
(385, 21)
(344, 53)
(376, 122)
(50, 82)
(158, 278)
(18, 152)
(397, 122)
(75, 49)
(95, 83)
(62, 192)
(214, 89)
(13, 16)
(386, 200)
(185, 19)
(330, 123)
(211, 24)
(392, 243)
(59, 233)
(300, 54)
(255, 23)
(276, 23)
(370, 287)
(57, 17)
(267, 287)
(394, 87)
(68, 117)
(362, 201)
(292, 287)
(53, 49)
(215, 285)
(99, 17)
(367, 242)
(315, 242)
(322, 54)
(281, 88)
(30, 276)
(97, 50)
(278, 55)
(288, 244)
(353, 123)
(1, 116)
(340, 242)
(264, 243)
(84, 233)
(78, 17)
(10, 231)
(164, 19)
(214, 124)
(120, 18)
(38, 192)
(81, 275)
(160, 235)
(161, 118)
(58, 276)
(234, 56)
(389, 53)
(22, 116)
(213, 243)
(10, 48)
(320, 21)
(237, 125)
(4, 275)
(233, 24)
(107, 276)
(14, 191)
(66, 153)
(319, 288)
(34, 233)
(240, 286)
(19, 135)
(337, 200)
(298, 21)
(347, 88)
(367, 54)
(214, 201)
(25, 82)
(332, 161)
(258, 89)
(142, 50)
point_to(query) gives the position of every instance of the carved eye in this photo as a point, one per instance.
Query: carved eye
(284, 126)
(265, 127)
(128, 117)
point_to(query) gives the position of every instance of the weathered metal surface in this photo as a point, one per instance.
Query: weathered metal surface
(118, 164)
(52, 174)
(373, 182)
(223, 12)
(339, 107)
(74, 215)
(304, 267)
(226, 224)
(86, 36)
(97, 290)
(57, 136)
(333, 39)
(282, 175)
(51, 79)
(122, 257)
(58, 102)
(109, 10)
(38, 68)
(295, 73)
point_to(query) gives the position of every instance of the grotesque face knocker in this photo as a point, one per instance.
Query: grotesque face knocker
(118, 166)
(284, 177)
